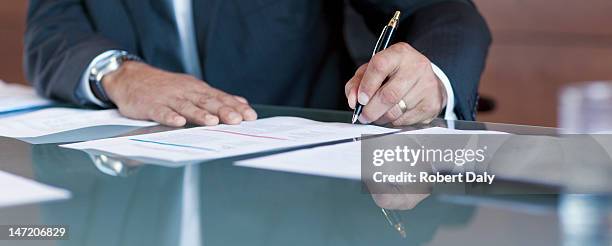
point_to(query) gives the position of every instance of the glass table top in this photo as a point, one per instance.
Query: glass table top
(217, 203)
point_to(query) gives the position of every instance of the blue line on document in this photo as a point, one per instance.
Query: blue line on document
(23, 110)
(171, 144)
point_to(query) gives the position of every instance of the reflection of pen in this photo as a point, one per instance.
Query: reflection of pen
(381, 44)
(395, 221)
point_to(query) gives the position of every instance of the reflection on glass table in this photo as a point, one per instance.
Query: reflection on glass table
(120, 202)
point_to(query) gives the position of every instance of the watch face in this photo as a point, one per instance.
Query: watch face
(104, 67)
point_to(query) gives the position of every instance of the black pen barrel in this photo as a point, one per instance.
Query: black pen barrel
(384, 40)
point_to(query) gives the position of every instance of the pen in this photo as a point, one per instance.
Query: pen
(381, 44)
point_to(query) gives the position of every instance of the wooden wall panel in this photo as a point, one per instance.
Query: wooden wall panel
(525, 80)
(557, 16)
(12, 27)
(539, 46)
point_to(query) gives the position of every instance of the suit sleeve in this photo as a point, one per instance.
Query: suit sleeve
(451, 33)
(60, 42)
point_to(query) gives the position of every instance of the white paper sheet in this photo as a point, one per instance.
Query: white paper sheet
(55, 120)
(338, 161)
(205, 143)
(14, 97)
(16, 190)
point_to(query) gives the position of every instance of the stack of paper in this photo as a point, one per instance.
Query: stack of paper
(55, 120)
(15, 190)
(205, 143)
(14, 97)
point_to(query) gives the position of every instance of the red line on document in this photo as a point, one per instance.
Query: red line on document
(244, 134)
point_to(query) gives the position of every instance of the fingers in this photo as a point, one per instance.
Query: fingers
(226, 114)
(166, 116)
(422, 106)
(393, 114)
(239, 104)
(351, 87)
(414, 96)
(202, 109)
(395, 74)
(424, 112)
(175, 99)
(229, 109)
(195, 114)
(386, 99)
(401, 66)
(424, 102)
(241, 99)
(381, 66)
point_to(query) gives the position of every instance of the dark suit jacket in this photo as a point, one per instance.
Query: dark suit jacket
(283, 52)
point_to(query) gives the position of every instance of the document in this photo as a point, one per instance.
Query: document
(14, 97)
(54, 120)
(16, 190)
(338, 161)
(212, 142)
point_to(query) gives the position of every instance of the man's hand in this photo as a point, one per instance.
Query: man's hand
(409, 77)
(146, 93)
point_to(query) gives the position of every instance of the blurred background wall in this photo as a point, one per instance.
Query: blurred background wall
(12, 26)
(538, 46)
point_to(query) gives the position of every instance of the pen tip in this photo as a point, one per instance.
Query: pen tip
(354, 120)
(397, 15)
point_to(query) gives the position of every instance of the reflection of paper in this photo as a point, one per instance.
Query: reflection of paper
(204, 143)
(54, 120)
(82, 134)
(16, 190)
(440, 130)
(15, 97)
(339, 160)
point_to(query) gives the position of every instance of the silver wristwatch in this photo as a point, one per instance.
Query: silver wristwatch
(104, 67)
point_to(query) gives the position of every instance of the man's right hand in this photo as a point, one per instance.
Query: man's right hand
(146, 93)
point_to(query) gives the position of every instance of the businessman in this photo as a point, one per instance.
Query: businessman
(205, 61)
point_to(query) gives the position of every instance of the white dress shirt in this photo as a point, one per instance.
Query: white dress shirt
(183, 15)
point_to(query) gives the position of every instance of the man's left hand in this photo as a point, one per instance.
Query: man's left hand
(408, 76)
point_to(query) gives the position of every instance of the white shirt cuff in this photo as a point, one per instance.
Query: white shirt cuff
(449, 113)
(84, 92)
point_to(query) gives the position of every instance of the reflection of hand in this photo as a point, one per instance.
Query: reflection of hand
(147, 93)
(409, 77)
(398, 201)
